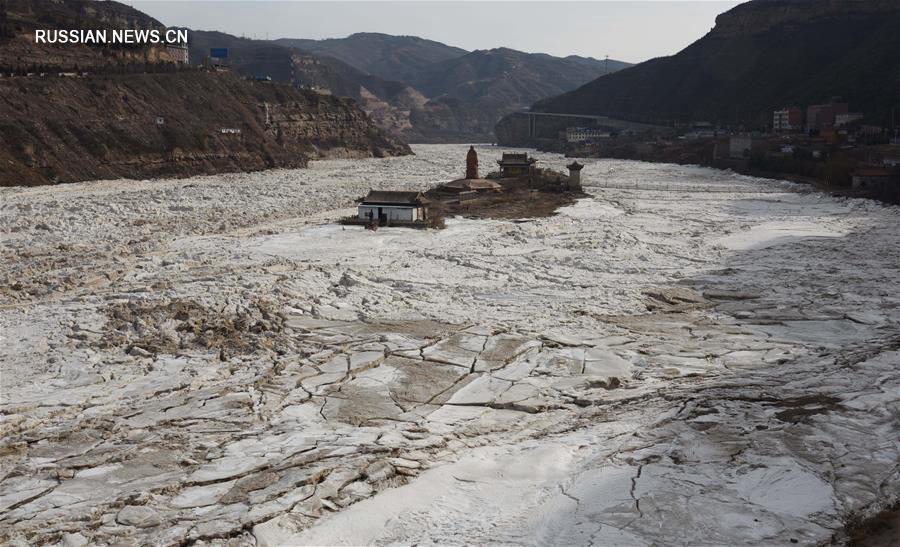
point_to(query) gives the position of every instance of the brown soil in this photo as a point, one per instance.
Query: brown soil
(516, 201)
(882, 530)
(167, 327)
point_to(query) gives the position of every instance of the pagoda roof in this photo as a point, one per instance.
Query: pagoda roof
(473, 184)
(510, 158)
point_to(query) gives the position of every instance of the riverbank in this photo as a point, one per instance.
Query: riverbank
(832, 175)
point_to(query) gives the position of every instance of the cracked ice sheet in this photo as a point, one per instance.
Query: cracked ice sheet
(467, 499)
(797, 384)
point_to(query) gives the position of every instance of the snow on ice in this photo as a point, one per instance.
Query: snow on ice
(700, 358)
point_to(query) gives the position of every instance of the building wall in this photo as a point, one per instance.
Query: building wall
(844, 119)
(863, 181)
(392, 212)
(787, 119)
(575, 179)
(513, 171)
(740, 147)
(580, 134)
(179, 54)
(822, 115)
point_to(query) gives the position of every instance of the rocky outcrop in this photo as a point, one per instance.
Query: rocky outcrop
(20, 18)
(58, 129)
(761, 15)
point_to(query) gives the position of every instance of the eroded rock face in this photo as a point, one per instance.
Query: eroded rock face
(248, 373)
(74, 129)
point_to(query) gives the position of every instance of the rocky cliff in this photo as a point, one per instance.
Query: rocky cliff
(759, 16)
(128, 111)
(20, 18)
(58, 129)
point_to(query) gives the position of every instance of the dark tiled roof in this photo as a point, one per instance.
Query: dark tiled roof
(473, 184)
(381, 197)
(515, 159)
(871, 172)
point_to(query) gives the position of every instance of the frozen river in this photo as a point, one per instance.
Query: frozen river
(688, 356)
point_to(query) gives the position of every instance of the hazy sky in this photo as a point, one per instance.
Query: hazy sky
(630, 31)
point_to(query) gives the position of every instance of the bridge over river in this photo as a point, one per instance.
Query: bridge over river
(605, 121)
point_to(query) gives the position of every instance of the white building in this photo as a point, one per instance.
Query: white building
(178, 53)
(385, 207)
(787, 119)
(844, 119)
(582, 134)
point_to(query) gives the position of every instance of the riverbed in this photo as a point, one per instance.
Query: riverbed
(687, 356)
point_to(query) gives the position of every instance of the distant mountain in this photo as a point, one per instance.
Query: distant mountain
(506, 78)
(761, 55)
(469, 94)
(291, 65)
(387, 102)
(390, 57)
(421, 90)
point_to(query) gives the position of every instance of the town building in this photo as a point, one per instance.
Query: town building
(385, 207)
(848, 118)
(515, 165)
(740, 146)
(178, 53)
(823, 115)
(585, 134)
(701, 132)
(787, 120)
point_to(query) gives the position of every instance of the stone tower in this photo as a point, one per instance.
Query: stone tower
(575, 176)
(472, 163)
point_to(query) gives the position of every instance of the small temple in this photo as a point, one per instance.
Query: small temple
(519, 189)
(515, 165)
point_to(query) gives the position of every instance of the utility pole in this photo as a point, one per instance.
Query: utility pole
(607, 66)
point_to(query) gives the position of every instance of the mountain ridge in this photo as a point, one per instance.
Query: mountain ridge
(467, 92)
(761, 55)
(388, 56)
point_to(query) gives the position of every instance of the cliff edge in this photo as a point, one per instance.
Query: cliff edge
(67, 129)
